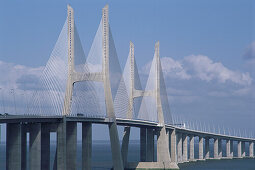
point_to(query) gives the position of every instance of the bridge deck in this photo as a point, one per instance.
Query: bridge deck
(120, 121)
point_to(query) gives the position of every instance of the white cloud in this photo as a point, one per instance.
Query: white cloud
(243, 91)
(12, 74)
(204, 68)
(170, 67)
(173, 68)
(201, 67)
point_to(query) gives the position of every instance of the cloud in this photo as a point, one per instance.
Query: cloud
(243, 91)
(202, 68)
(173, 68)
(18, 76)
(170, 67)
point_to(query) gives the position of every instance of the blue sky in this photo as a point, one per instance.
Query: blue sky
(206, 48)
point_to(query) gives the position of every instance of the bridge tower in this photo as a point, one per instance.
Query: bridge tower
(163, 154)
(103, 76)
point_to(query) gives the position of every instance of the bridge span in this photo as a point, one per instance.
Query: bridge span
(94, 91)
(180, 141)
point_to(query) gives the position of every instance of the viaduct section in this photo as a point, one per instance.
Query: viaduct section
(172, 142)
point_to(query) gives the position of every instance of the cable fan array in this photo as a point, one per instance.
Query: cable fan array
(88, 97)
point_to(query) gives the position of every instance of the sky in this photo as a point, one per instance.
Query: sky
(207, 50)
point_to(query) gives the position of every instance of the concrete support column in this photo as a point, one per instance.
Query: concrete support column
(86, 146)
(45, 145)
(216, 148)
(173, 146)
(251, 149)
(71, 145)
(66, 145)
(231, 148)
(191, 147)
(179, 147)
(185, 147)
(16, 146)
(142, 144)
(150, 146)
(168, 140)
(35, 146)
(243, 148)
(228, 148)
(39, 146)
(201, 148)
(220, 148)
(124, 144)
(207, 148)
(239, 149)
(61, 146)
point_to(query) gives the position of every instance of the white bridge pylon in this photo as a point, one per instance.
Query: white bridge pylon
(68, 84)
(150, 105)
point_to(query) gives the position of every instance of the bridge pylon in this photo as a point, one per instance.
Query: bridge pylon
(163, 154)
(103, 76)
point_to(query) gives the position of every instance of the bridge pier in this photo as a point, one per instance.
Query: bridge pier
(39, 146)
(191, 147)
(251, 149)
(239, 149)
(86, 146)
(179, 147)
(16, 145)
(66, 145)
(215, 148)
(243, 148)
(173, 146)
(150, 145)
(231, 148)
(124, 144)
(185, 147)
(228, 148)
(201, 148)
(207, 148)
(220, 148)
(142, 144)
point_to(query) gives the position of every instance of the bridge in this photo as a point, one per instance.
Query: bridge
(93, 90)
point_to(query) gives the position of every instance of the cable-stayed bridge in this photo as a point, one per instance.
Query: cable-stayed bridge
(93, 89)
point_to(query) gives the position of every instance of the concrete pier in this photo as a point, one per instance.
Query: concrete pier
(142, 144)
(207, 148)
(66, 145)
(86, 146)
(191, 147)
(173, 146)
(16, 146)
(150, 146)
(243, 148)
(220, 148)
(39, 146)
(179, 147)
(71, 145)
(185, 147)
(239, 149)
(228, 148)
(201, 148)
(124, 144)
(251, 149)
(216, 148)
(231, 148)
